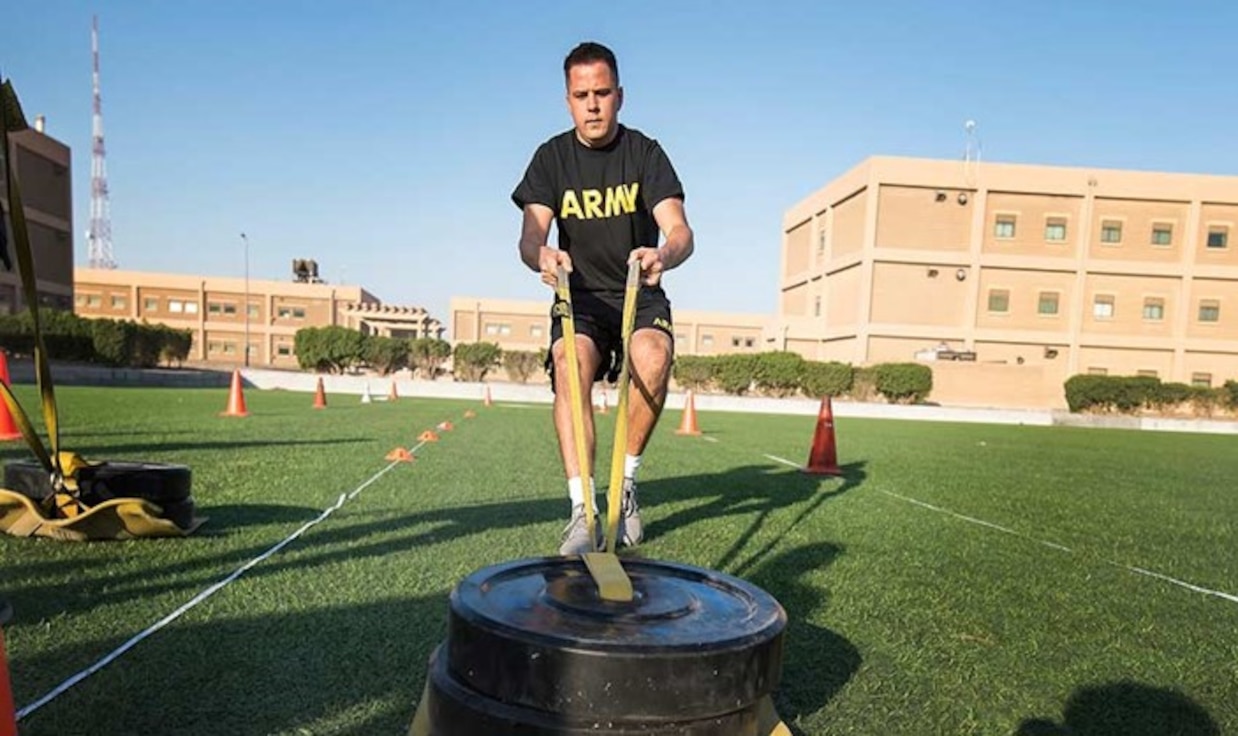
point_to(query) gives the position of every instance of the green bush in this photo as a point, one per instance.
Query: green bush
(693, 372)
(1230, 393)
(522, 364)
(863, 383)
(735, 374)
(904, 383)
(777, 373)
(1205, 400)
(1169, 395)
(819, 380)
(113, 341)
(386, 354)
(472, 361)
(332, 349)
(426, 356)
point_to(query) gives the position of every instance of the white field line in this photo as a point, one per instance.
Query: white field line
(1052, 545)
(207, 593)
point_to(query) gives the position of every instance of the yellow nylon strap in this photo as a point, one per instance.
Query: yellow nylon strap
(614, 494)
(613, 583)
(12, 118)
(567, 319)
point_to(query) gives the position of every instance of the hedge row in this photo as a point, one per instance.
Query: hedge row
(778, 373)
(1130, 394)
(118, 343)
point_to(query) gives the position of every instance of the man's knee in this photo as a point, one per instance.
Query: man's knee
(652, 353)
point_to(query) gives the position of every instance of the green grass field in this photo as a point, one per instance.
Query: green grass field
(928, 591)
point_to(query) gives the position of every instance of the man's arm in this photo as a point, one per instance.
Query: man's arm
(676, 248)
(533, 250)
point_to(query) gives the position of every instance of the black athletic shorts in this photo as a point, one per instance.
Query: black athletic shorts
(601, 318)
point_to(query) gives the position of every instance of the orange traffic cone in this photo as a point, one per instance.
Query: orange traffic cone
(486, 401)
(445, 426)
(688, 425)
(394, 395)
(469, 413)
(427, 436)
(401, 455)
(320, 396)
(8, 430)
(8, 714)
(236, 399)
(823, 460)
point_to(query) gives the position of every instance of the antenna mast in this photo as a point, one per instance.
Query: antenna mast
(100, 233)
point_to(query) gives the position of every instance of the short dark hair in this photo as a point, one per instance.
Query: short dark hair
(588, 53)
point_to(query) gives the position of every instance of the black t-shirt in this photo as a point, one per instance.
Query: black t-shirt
(603, 200)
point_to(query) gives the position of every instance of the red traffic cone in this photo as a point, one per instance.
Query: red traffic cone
(486, 401)
(688, 425)
(320, 396)
(823, 460)
(236, 399)
(8, 714)
(394, 395)
(8, 430)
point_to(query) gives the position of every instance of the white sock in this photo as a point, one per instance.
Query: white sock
(576, 491)
(631, 463)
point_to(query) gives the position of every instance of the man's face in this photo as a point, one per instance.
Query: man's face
(594, 101)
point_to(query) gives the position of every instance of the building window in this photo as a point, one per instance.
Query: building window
(1154, 309)
(1103, 306)
(253, 311)
(1209, 310)
(287, 312)
(1162, 234)
(734, 342)
(94, 300)
(535, 331)
(1147, 374)
(1098, 371)
(119, 302)
(1218, 236)
(150, 305)
(750, 342)
(1111, 232)
(816, 306)
(498, 329)
(707, 341)
(821, 243)
(1048, 303)
(1055, 229)
(283, 349)
(1203, 380)
(999, 301)
(1004, 227)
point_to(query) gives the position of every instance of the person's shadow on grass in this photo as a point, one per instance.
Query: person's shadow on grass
(818, 662)
(1125, 709)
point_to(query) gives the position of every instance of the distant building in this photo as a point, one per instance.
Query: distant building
(1026, 275)
(42, 167)
(221, 312)
(525, 325)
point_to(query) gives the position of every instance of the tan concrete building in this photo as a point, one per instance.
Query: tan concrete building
(223, 312)
(42, 166)
(525, 325)
(1035, 273)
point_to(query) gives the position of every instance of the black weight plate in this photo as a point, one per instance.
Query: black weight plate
(156, 482)
(693, 643)
(455, 710)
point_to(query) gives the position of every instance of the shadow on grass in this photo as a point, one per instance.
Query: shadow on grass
(349, 670)
(762, 489)
(817, 661)
(1125, 709)
(96, 582)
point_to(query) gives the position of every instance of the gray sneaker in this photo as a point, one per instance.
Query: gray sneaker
(576, 534)
(631, 532)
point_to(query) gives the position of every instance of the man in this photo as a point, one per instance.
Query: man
(610, 191)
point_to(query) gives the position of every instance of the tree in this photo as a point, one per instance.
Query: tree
(426, 355)
(474, 360)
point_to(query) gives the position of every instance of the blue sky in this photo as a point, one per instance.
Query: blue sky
(383, 139)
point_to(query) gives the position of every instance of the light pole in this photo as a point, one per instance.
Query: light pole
(246, 305)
